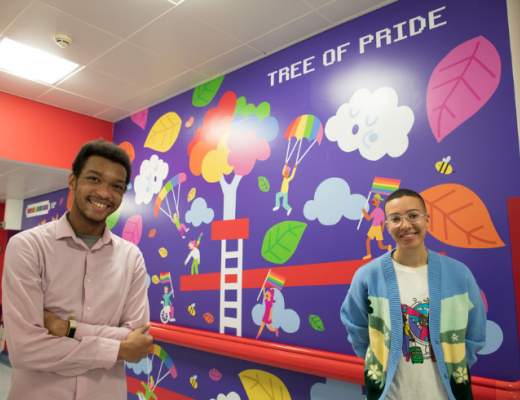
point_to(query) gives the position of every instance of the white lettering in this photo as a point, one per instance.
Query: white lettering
(364, 41)
(283, 72)
(341, 49)
(272, 74)
(422, 23)
(384, 34)
(400, 35)
(332, 57)
(294, 68)
(306, 64)
(432, 17)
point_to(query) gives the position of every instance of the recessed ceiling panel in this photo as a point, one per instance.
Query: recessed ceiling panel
(184, 39)
(21, 87)
(113, 114)
(100, 87)
(343, 10)
(71, 102)
(10, 10)
(181, 83)
(246, 20)
(120, 17)
(142, 101)
(290, 33)
(136, 65)
(37, 26)
(231, 60)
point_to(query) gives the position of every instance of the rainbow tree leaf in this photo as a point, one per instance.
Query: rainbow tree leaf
(316, 322)
(281, 241)
(112, 218)
(461, 84)
(133, 229)
(263, 183)
(164, 132)
(140, 118)
(203, 94)
(262, 111)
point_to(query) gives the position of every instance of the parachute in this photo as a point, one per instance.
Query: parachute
(165, 360)
(305, 126)
(172, 183)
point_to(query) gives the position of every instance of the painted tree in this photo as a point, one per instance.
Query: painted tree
(233, 137)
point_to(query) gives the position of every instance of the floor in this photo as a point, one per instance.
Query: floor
(5, 381)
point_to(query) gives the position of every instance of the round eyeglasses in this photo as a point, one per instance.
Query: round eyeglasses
(412, 217)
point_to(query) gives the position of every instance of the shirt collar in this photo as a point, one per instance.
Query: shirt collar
(64, 229)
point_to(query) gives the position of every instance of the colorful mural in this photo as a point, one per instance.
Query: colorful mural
(416, 95)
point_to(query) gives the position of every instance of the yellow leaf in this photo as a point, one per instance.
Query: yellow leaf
(191, 194)
(261, 385)
(163, 252)
(164, 132)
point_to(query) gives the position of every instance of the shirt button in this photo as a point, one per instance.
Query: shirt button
(88, 308)
(88, 280)
(437, 341)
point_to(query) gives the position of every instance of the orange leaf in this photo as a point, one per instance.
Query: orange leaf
(129, 149)
(152, 233)
(458, 217)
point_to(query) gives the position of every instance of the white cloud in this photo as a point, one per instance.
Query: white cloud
(230, 396)
(150, 179)
(142, 366)
(199, 213)
(372, 124)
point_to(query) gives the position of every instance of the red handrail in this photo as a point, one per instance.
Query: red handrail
(301, 359)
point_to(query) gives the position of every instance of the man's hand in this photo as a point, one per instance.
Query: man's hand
(56, 326)
(136, 346)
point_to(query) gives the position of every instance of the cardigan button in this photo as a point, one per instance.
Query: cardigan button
(437, 341)
(446, 376)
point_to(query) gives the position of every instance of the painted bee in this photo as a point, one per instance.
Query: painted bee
(193, 381)
(444, 166)
(191, 309)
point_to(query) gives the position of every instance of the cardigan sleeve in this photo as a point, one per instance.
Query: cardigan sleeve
(354, 315)
(476, 329)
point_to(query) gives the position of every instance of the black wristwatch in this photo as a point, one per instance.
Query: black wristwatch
(72, 326)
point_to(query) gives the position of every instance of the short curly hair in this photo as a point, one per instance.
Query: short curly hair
(405, 193)
(103, 149)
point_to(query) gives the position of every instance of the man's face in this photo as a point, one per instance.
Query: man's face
(98, 191)
(406, 235)
(376, 202)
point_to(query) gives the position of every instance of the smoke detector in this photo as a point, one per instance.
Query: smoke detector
(62, 40)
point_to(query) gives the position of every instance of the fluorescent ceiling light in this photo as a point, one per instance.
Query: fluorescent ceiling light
(33, 64)
(176, 2)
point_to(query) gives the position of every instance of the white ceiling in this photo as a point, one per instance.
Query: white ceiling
(138, 53)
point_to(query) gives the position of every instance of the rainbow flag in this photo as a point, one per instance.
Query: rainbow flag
(165, 278)
(276, 280)
(385, 186)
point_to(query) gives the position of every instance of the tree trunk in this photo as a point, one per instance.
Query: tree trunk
(230, 196)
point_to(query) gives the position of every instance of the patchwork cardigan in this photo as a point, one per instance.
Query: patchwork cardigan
(372, 315)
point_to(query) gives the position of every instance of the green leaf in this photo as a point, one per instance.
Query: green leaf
(281, 241)
(203, 94)
(316, 323)
(112, 218)
(262, 111)
(263, 183)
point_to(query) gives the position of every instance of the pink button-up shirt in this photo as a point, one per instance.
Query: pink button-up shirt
(49, 268)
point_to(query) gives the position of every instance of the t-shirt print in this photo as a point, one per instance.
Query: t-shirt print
(416, 332)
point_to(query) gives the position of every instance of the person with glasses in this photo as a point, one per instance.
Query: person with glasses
(427, 304)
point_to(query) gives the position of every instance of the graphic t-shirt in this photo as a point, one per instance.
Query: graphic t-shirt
(417, 375)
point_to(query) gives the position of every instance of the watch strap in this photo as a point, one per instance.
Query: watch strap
(73, 325)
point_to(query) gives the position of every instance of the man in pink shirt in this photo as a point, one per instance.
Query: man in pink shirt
(74, 294)
(378, 222)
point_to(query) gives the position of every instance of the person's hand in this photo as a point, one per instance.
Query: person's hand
(202, 233)
(136, 346)
(286, 163)
(295, 165)
(185, 262)
(55, 325)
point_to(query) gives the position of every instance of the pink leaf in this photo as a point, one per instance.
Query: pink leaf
(461, 84)
(133, 229)
(140, 118)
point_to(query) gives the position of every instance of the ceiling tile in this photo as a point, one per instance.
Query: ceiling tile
(318, 3)
(21, 87)
(343, 10)
(37, 26)
(10, 10)
(231, 60)
(181, 83)
(7, 166)
(71, 102)
(113, 114)
(183, 38)
(245, 20)
(100, 87)
(136, 65)
(120, 17)
(142, 101)
(290, 33)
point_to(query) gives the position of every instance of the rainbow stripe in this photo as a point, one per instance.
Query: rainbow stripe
(276, 280)
(164, 278)
(385, 186)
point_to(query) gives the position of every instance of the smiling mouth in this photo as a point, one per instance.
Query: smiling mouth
(98, 205)
(409, 235)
